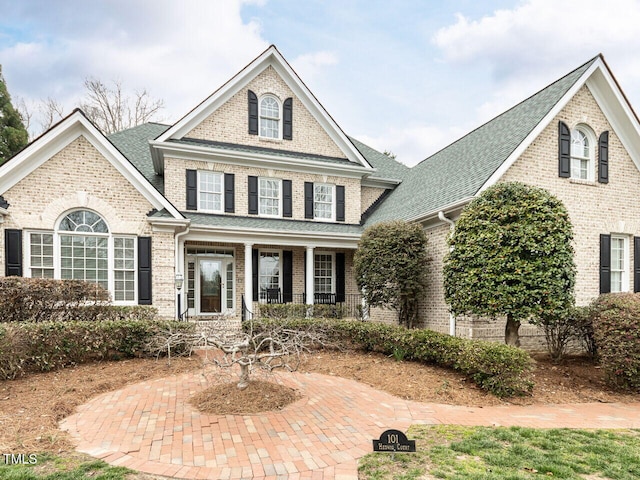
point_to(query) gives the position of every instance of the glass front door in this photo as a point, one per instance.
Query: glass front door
(210, 285)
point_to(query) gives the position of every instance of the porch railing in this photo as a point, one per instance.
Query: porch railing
(350, 306)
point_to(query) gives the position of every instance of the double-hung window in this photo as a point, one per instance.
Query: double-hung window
(210, 192)
(269, 117)
(269, 278)
(619, 264)
(323, 201)
(270, 197)
(323, 274)
(582, 154)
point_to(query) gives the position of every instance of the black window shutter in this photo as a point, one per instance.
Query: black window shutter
(192, 189)
(229, 192)
(144, 271)
(287, 276)
(605, 263)
(564, 150)
(254, 272)
(287, 119)
(13, 252)
(603, 158)
(340, 283)
(287, 199)
(253, 195)
(308, 200)
(253, 113)
(636, 264)
(340, 203)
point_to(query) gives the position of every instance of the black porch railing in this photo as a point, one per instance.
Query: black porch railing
(347, 306)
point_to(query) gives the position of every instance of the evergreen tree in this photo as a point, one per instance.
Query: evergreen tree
(13, 135)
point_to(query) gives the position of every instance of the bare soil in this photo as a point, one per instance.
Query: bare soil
(30, 407)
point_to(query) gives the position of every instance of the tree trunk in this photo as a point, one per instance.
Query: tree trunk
(244, 376)
(511, 335)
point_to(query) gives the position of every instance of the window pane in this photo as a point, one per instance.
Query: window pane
(210, 192)
(323, 273)
(82, 262)
(323, 201)
(269, 272)
(269, 196)
(123, 269)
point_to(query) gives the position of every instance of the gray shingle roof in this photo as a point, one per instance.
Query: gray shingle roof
(386, 166)
(233, 147)
(273, 224)
(133, 143)
(461, 169)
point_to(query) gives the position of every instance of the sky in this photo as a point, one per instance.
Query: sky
(405, 76)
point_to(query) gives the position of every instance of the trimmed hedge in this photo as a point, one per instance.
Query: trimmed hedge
(43, 346)
(43, 299)
(500, 369)
(299, 310)
(616, 330)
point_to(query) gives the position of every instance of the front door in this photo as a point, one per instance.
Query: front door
(211, 285)
(210, 282)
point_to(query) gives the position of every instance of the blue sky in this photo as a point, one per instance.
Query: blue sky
(406, 76)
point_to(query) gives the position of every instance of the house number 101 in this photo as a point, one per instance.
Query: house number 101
(392, 438)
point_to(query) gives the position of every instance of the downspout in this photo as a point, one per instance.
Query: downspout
(179, 267)
(452, 227)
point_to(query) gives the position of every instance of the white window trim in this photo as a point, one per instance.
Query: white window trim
(57, 264)
(280, 272)
(333, 202)
(625, 270)
(592, 151)
(219, 174)
(260, 197)
(333, 270)
(260, 117)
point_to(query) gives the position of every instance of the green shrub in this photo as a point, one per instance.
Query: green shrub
(297, 310)
(616, 329)
(43, 346)
(500, 369)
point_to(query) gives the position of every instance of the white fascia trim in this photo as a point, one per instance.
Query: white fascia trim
(457, 205)
(380, 182)
(174, 222)
(617, 110)
(271, 237)
(540, 127)
(272, 57)
(74, 126)
(212, 154)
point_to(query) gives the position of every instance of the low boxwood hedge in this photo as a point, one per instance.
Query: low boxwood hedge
(500, 369)
(42, 346)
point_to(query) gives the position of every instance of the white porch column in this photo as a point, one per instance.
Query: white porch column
(308, 281)
(248, 277)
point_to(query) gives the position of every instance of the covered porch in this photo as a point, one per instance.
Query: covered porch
(239, 275)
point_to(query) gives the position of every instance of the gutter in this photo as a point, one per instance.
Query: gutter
(452, 318)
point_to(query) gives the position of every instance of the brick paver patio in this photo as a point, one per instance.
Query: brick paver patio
(150, 427)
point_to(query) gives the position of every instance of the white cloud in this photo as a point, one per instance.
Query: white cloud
(413, 144)
(309, 65)
(179, 51)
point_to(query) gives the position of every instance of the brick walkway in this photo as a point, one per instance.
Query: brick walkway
(149, 427)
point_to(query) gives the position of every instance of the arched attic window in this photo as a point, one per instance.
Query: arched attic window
(582, 153)
(270, 117)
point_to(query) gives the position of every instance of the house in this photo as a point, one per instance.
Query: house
(257, 196)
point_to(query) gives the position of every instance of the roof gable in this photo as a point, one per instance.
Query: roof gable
(60, 136)
(462, 170)
(270, 58)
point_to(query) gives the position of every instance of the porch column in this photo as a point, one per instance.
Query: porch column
(308, 281)
(248, 278)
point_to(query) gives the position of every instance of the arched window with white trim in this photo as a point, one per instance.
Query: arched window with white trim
(270, 117)
(82, 247)
(582, 153)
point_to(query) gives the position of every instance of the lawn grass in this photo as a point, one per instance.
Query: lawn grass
(52, 467)
(516, 453)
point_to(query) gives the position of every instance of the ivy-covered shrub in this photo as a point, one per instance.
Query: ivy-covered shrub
(500, 369)
(42, 346)
(616, 329)
(42, 299)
